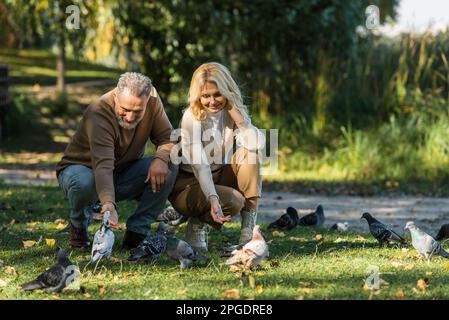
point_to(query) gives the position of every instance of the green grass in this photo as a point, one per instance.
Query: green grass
(299, 265)
(30, 67)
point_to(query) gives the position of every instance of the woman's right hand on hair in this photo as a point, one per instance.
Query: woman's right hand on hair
(216, 212)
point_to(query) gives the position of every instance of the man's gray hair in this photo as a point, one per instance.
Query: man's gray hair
(135, 83)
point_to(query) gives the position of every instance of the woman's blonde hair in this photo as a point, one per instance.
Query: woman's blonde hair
(221, 76)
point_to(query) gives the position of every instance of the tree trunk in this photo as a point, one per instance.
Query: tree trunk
(60, 62)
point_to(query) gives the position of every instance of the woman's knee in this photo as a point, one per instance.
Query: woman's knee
(232, 202)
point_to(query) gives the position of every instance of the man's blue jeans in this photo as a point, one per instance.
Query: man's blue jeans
(78, 184)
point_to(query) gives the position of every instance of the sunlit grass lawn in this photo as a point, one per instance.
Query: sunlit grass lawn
(30, 67)
(302, 264)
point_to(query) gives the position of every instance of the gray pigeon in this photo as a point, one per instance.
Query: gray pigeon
(424, 243)
(56, 277)
(443, 233)
(314, 219)
(381, 232)
(183, 252)
(171, 217)
(152, 246)
(103, 240)
(287, 221)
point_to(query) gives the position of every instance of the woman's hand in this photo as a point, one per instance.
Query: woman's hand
(215, 211)
(113, 219)
(234, 112)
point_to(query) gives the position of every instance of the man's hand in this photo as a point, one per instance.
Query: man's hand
(215, 211)
(113, 220)
(157, 173)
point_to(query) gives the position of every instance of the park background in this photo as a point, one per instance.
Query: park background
(361, 108)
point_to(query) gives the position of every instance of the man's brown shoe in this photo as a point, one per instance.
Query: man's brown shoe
(79, 239)
(132, 239)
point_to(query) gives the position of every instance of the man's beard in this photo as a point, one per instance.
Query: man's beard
(126, 125)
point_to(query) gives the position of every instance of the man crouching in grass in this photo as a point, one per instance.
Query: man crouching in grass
(104, 160)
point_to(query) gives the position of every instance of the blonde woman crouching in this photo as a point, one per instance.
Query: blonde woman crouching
(214, 182)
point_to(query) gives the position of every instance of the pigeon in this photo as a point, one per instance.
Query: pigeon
(252, 253)
(381, 232)
(54, 278)
(152, 246)
(103, 240)
(341, 226)
(443, 233)
(183, 252)
(171, 217)
(314, 219)
(287, 221)
(424, 243)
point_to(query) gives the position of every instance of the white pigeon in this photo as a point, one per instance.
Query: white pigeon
(341, 226)
(252, 253)
(103, 240)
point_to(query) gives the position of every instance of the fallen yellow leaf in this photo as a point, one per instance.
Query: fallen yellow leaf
(318, 237)
(297, 239)
(32, 224)
(259, 289)
(422, 284)
(305, 290)
(50, 242)
(410, 266)
(87, 295)
(28, 243)
(429, 273)
(59, 226)
(400, 293)
(232, 294)
(182, 291)
(10, 270)
(279, 234)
